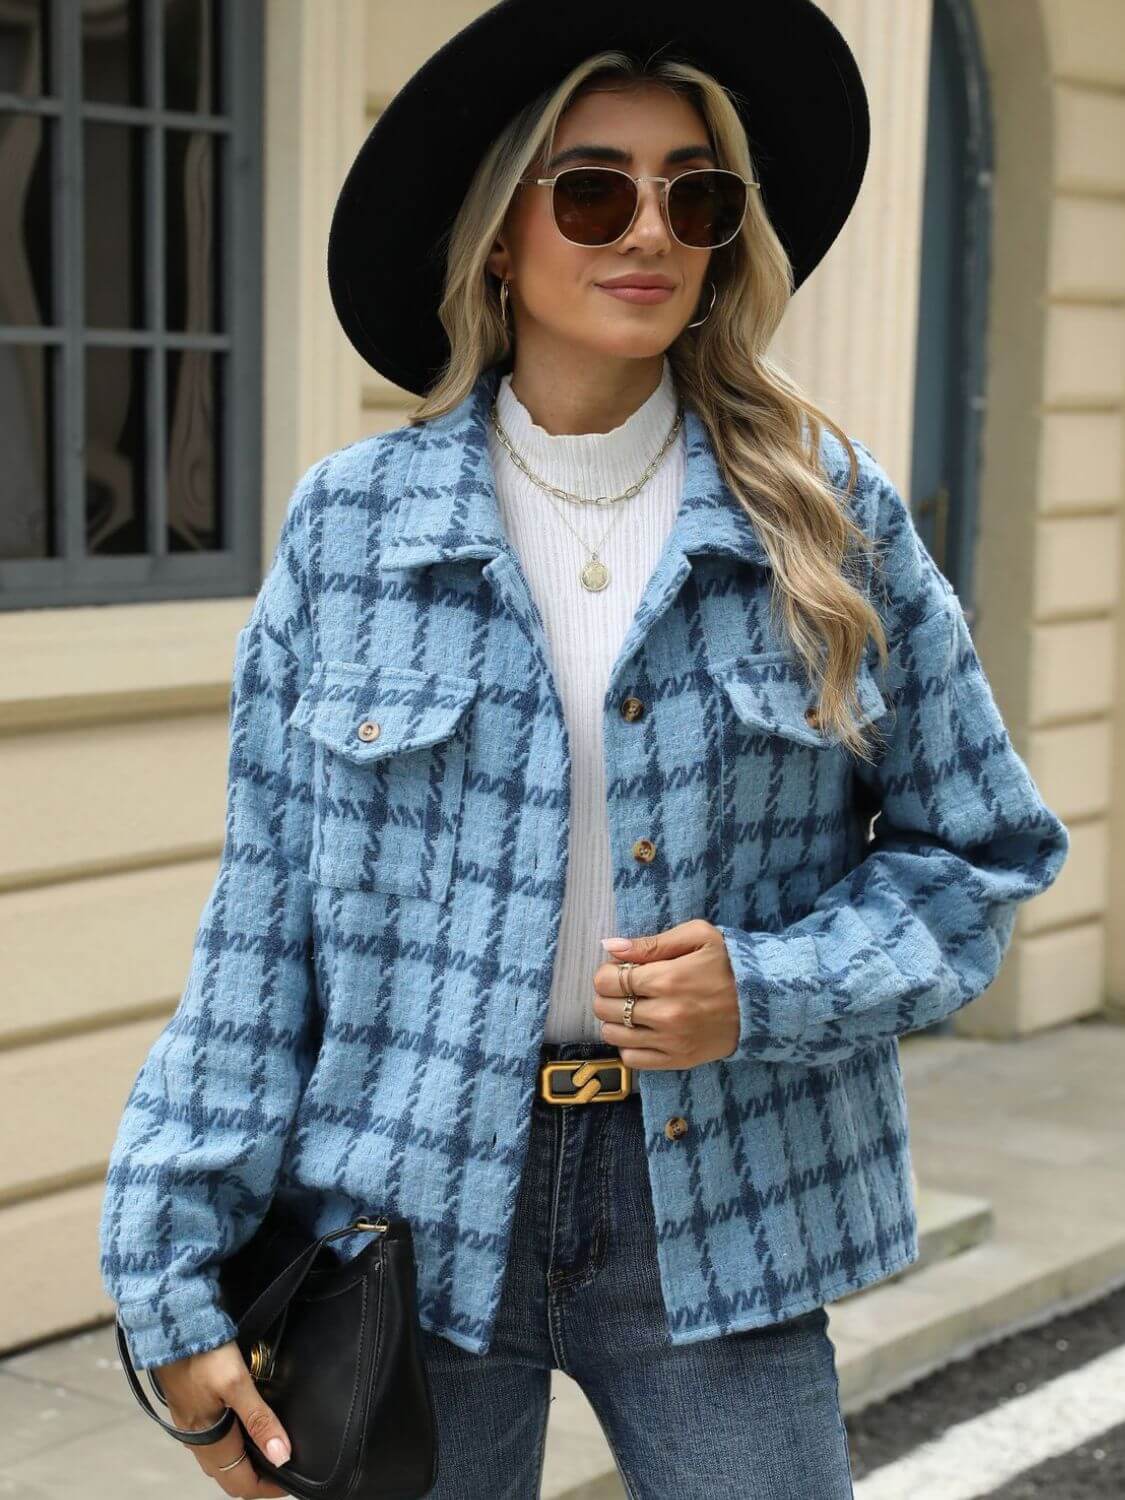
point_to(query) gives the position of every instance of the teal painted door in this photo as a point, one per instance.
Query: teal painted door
(949, 388)
(949, 392)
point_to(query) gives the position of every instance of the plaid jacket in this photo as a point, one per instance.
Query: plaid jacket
(360, 1025)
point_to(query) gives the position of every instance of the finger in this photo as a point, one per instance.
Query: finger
(241, 1479)
(636, 1038)
(210, 1455)
(646, 1012)
(653, 979)
(199, 1405)
(258, 1418)
(637, 1057)
(614, 983)
(646, 948)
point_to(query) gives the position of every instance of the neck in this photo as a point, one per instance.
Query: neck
(593, 462)
(597, 401)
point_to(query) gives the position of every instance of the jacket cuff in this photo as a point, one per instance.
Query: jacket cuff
(171, 1326)
(775, 976)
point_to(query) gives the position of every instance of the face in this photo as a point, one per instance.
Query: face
(557, 303)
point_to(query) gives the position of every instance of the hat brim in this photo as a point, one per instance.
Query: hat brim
(791, 75)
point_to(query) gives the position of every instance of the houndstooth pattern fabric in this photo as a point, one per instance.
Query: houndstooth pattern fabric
(360, 1026)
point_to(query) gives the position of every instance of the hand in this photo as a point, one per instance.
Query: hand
(689, 1011)
(196, 1389)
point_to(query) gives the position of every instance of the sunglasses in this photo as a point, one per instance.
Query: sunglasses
(594, 206)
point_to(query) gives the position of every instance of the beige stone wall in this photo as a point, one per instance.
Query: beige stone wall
(115, 733)
(1083, 465)
(849, 334)
(1049, 561)
(115, 718)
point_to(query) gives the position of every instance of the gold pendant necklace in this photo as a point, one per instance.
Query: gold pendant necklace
(594, 575)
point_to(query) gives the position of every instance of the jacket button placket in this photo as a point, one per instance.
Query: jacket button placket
(632, 709)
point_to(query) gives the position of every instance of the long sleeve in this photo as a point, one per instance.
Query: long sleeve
(200, 1143)
(919, 927)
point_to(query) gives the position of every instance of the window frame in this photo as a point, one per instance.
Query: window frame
(237, 128)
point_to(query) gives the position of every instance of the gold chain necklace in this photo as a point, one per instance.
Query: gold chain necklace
(594, 574)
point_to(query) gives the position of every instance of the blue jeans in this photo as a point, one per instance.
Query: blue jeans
(753, 1415)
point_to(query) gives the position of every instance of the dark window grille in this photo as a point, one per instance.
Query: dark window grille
(130, 300)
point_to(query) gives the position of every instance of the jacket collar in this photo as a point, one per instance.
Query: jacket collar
(448, 507)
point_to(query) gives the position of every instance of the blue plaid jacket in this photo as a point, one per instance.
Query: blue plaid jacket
(360, 1026)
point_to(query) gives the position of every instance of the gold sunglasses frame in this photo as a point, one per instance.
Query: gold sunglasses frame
(636, 181)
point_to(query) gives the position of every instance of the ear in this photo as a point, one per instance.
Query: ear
(499, 261)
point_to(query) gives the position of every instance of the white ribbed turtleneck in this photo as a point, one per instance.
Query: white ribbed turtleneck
(585, 631)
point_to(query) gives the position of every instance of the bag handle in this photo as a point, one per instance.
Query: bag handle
(219, 1428)
(259, 1316)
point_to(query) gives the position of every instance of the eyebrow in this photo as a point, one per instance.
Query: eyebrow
(591, 152)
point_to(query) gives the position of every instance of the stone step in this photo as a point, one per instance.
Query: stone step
(948, 1223)
(891, 1336)
(609, 1487)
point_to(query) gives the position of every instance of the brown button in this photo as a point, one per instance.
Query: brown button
(632, 709)
(368, 730)
(676, 1127)
(644, 850)
(812, 718)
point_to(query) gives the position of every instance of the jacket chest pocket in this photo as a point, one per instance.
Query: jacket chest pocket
(769, 693)
(388, 775)
(788, 786)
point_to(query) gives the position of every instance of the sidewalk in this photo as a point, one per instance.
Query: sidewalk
(1034, 1127)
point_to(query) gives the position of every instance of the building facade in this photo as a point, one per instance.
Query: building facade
(210, 372)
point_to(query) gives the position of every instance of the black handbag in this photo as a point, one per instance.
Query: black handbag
(335, 1349)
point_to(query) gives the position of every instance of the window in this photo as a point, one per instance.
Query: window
(130, 302)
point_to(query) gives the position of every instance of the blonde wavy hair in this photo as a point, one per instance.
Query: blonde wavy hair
(757, 418)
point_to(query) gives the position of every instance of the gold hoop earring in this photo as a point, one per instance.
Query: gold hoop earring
(707, 314)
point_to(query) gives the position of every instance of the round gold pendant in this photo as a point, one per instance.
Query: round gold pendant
(595, 575)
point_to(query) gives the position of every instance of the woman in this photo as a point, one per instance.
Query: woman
(480, 724)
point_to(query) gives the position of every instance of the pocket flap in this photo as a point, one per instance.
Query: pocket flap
(366, 713)
(772, 692)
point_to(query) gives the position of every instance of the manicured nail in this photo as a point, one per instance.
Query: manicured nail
(616, 945)
(277, 1452)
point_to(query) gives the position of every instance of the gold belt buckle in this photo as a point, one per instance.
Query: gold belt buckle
(586, 1084)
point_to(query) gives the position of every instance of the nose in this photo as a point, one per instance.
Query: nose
(650, 225)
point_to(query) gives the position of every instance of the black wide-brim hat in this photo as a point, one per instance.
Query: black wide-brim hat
(794, 83)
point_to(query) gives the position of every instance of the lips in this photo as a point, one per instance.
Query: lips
(646, 282)
(634, 292)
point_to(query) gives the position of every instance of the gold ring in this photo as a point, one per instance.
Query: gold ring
(235, 1461)
(627, 1016)
(626, 983)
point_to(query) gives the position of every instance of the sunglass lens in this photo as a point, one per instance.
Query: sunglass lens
(706, 208)
(593, 207)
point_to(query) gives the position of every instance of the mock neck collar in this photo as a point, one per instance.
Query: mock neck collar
(447, 506)
(588, 463)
